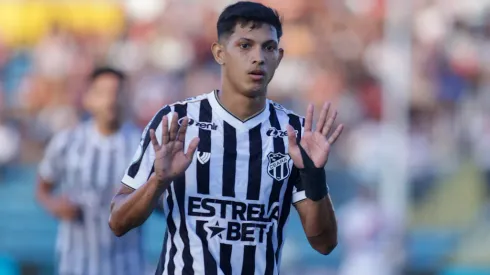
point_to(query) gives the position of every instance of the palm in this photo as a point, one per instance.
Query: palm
(170, 157)
(316, 143)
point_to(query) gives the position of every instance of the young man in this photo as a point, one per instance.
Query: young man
(84, 164)
(227, 205)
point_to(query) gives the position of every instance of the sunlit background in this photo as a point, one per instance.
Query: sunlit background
(410, 177)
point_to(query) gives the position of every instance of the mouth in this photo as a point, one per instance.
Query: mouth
(257, 74)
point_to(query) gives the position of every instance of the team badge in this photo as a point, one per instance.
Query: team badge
(278, 167)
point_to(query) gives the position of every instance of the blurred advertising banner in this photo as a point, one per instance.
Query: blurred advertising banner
(24, 22)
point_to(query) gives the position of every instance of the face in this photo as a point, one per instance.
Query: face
(103, 99)
(249, 57)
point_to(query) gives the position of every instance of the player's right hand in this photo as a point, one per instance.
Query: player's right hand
(171, 160)
(64, 209)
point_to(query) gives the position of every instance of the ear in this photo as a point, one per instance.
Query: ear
(281, 54)
(218, 53)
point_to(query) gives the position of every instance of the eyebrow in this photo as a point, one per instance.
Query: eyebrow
(250, 40)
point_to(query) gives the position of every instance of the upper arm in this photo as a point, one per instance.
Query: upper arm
(51, 167)
(123, 191)
(141, 166)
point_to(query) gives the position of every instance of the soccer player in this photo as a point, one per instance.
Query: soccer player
(227, 206)
(77, 179)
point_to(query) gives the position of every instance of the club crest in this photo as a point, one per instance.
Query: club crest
(278, 167)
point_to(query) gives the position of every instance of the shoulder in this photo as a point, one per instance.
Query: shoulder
(61, 139)
(169, 109)
(194, 99)
(283, 111)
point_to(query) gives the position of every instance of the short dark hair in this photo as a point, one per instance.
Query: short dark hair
(107, 70)
(244, 12)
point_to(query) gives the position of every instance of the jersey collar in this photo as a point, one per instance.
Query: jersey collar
(233, 120)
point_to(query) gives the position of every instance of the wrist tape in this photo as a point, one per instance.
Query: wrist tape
(312, 178)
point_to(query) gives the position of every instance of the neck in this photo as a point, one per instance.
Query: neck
(107, 129)
(241, 106)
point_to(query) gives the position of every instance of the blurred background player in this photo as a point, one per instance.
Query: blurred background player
(338, 51)
(83, 164)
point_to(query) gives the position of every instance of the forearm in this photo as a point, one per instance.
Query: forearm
(132, 210)
(44, 195)
(320, 224)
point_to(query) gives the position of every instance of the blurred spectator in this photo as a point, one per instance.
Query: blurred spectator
(370, 238)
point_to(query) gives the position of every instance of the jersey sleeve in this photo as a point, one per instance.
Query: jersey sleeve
(51, 167)
(141, 166)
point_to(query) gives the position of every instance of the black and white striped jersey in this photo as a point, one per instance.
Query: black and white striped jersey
(227, 214)
(87, 167)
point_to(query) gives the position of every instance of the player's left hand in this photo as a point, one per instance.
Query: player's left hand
(316, 143)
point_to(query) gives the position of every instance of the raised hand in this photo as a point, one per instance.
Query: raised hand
(316, 143)
(170, 158)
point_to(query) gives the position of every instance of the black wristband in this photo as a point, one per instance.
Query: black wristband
(312, 178)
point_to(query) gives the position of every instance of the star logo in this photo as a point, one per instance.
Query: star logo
(216, 230)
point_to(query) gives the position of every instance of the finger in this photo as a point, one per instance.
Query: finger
(336, 134)
(323, 117)
(174, 127)
(183, 130)
(165, 136)
(154, 140)
(309, 118)
(191, 150)
(329, 123)
(291, 135)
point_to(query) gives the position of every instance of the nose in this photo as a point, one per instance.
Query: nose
(258, 57)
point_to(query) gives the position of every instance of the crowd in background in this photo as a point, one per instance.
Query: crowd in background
(332, 52)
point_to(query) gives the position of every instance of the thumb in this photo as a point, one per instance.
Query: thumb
(192, 148)
(291, 136)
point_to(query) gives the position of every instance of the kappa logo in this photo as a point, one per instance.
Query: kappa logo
(203, 157)
(273, 132)
(278, 167)
(209, 126)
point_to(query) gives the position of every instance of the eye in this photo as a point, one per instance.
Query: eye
(244, 46)
(270, 48)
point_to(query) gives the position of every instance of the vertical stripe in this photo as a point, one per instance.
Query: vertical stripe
(78, 236)
(229, 160)
(203, 183)
(91, 218)
(286, 206)
(107, 261)
(163, 255)
(180, 183)
(197, 253)
(225, 259)
(210, 266)
(228, 185)
(248, 266)
(255, 163)
(253, 189)
(172, 230)
(279, 148)
(205, 115)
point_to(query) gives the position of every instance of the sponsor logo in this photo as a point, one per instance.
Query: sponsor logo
(209, 126)
(232, 221)
(273, 132)
(278, 167)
